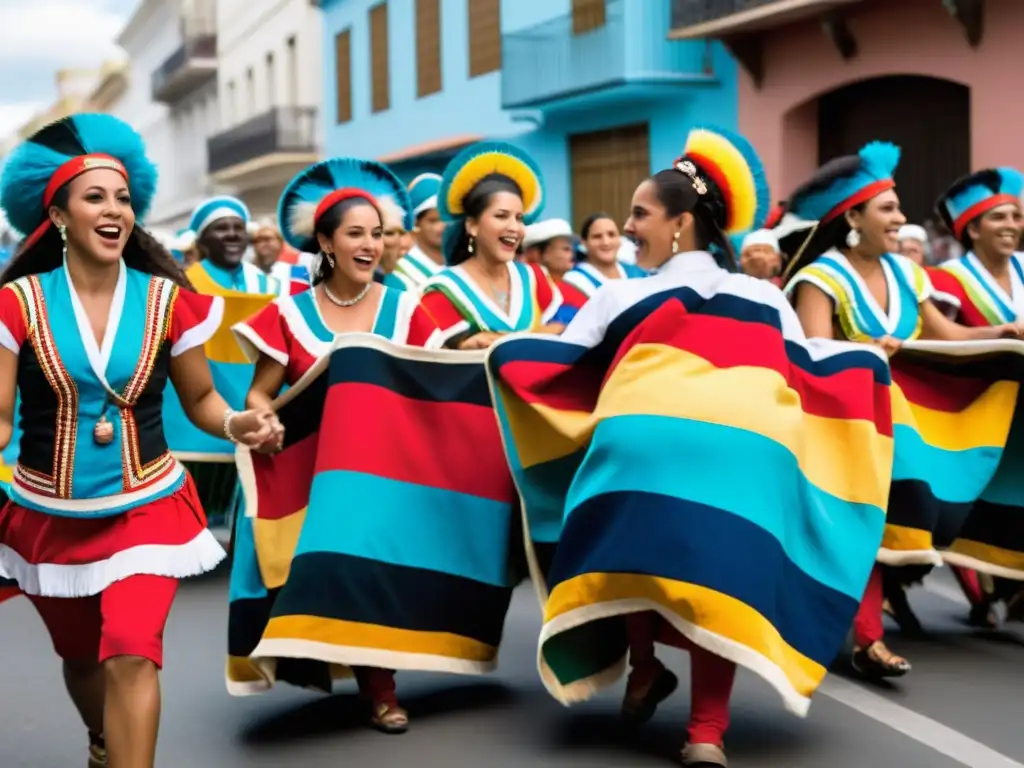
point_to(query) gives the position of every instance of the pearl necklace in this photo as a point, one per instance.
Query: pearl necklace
(346, 302)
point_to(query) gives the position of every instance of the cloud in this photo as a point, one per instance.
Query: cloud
(16, 114)
(60, 33)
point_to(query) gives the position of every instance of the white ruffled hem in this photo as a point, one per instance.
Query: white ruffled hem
(176, 561)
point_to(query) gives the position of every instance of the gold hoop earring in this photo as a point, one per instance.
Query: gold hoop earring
(675, 243)
(470, 246)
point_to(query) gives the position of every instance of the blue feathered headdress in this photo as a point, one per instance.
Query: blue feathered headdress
(297, 209)
(847, 182)
(977, 194)
(63, 150)
(473, 165)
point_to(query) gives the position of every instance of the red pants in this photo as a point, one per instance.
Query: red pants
(125, 619)
(377, 685)
(711, 677)
(969, 584)
(867, 624)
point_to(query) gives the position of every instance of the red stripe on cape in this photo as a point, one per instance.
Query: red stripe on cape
(372, 430)
(725, 343)
(283, 480)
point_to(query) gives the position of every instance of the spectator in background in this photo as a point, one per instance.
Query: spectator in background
(183, 248)
(552, 244)
(266, 244)
(760, 256)
(914, 244)
(602, 256)
(944, 247)
(274, 257)
(397, 240)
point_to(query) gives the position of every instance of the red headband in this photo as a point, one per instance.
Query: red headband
(71, 169)
(978, 209)
(871, 190)
(345, 193)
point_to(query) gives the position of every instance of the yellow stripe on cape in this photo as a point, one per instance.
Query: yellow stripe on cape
(836, 455)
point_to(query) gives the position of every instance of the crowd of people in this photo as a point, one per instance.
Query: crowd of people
(630, 362)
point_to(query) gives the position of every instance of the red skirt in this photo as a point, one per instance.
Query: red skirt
(73, 557)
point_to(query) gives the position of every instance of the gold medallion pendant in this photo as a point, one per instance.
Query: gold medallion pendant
(103, 432)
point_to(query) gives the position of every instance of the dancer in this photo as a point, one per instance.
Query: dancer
(424, 259)
(600, 236)
(849, 282)
(627, 426)
(488, 193)
(222, 237)
(984, 287)
(95, 317)
(550, 244)
(337, 207)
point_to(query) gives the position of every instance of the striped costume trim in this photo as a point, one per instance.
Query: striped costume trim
(59, 483)
(159, 309)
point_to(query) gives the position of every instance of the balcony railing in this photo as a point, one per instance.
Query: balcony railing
(548, 62)
(281, 130)
(191, 66)
(698, 18)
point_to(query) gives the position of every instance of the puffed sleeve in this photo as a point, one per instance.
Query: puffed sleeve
(549, 297)
(13, 319)
(423, 329)
(919, 280)
(436, 306)
(264, 333)
(194, 320)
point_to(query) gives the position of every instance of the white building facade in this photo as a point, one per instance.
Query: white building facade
(269, 76)
(171, 99)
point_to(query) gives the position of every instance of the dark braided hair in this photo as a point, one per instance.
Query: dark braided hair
(142, 252)
(676, 192)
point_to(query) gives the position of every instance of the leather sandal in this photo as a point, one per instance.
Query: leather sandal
(97, 751)
(637, 710)
(877, 662)
(389, 718)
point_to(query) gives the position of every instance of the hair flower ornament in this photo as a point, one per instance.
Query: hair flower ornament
(688, 168)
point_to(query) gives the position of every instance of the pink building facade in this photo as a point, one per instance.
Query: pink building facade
(822, 79)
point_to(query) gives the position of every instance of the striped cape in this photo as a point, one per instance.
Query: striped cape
(390, 544)
(232, 375)
(276, 491)
(710, 468)
(957, 494)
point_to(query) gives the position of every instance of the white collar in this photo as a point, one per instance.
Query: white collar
(99, 354)
(689, 261)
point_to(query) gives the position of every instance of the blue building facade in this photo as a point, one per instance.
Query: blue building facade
(595, 91)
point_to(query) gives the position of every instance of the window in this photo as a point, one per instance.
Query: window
(380, 96)
(428, 47)
(232, 109)
(587, 15)
(343, 69)
(271, 82)
(291, 97)
(250, 92)
(484, 36)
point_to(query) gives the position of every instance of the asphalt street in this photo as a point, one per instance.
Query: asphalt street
(961, 705)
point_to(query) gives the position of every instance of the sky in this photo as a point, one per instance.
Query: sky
(38, 37)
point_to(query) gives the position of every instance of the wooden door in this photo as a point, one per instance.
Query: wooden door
(607, 167)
